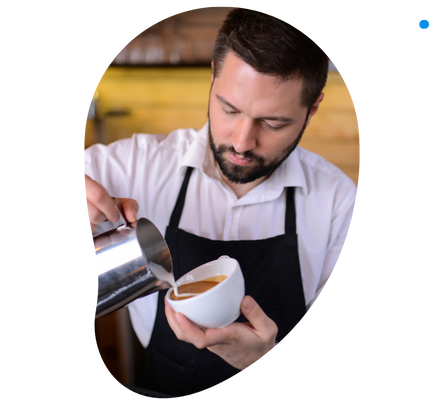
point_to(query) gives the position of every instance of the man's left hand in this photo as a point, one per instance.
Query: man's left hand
(239, 344)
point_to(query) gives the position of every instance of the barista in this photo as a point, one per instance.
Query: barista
(240, 187)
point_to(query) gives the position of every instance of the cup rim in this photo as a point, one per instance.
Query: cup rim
(207, 292)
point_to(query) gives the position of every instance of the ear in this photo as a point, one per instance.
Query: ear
(314, 108)
(212, 72)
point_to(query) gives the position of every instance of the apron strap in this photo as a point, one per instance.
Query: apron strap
(290, 212)
(177, 212)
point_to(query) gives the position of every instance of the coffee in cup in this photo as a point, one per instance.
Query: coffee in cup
(197, 287)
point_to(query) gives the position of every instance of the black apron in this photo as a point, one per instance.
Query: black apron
(272, 277)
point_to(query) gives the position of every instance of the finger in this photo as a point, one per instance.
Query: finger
(95, 216)
(184, 329)
(99, 198)
(180, 324)
(130, 208)
(204, 338)
(256, 316)
(170, 315)
(222, 336)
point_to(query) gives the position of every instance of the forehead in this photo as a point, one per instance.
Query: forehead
(243, 83)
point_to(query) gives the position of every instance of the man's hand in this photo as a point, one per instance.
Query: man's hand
(239, 344)
(101, 207)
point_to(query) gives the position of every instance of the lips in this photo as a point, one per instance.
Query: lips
(237, 160)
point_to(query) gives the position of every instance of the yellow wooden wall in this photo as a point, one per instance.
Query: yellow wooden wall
(158, 100)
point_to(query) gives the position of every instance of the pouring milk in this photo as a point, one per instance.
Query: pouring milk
(161, 273)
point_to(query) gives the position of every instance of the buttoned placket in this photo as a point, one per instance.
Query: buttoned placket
(234, 213)
(231, 230)
(236, 207)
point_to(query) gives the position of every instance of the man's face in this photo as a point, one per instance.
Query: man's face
(255, 120)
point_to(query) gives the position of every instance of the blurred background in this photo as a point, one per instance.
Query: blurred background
(160, 82)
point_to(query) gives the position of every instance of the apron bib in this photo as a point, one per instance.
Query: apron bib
(272, 277)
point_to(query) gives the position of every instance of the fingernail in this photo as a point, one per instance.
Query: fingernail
(247, 303)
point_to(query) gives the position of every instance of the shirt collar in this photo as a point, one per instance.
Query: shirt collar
(200, 156)
(196, 155)
(290, 173)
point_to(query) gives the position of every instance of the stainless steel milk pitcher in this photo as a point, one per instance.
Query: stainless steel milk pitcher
(125, 256)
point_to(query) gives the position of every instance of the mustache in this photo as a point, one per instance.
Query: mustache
(246, 155)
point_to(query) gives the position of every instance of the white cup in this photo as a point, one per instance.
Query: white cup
(219, 306)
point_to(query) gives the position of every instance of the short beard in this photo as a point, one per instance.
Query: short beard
(241, 174)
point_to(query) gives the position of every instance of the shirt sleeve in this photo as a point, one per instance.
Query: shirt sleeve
(113, 166)
(340, 223)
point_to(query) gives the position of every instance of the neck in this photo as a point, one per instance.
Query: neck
(240, 189)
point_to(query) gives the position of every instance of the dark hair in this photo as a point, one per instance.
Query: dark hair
(272, 47)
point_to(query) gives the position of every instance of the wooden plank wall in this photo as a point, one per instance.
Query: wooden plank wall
(158, 100)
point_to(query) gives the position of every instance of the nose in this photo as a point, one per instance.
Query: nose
(244, 136)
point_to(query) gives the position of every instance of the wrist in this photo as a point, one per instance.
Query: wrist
(266, 355)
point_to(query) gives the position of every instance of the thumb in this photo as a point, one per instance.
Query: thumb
(256, 316)
(130, 208)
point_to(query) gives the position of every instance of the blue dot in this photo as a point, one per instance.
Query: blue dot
(424, 24)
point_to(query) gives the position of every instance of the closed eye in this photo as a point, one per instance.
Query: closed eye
(268, 126)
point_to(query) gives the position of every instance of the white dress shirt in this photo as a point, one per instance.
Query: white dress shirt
(151, 168)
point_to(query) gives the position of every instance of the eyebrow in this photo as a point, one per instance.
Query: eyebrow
(268, 118)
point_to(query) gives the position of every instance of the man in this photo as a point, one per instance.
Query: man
(248, 192)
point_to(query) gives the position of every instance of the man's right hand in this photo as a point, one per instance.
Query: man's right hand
(101, 207)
